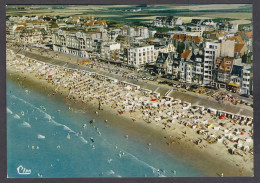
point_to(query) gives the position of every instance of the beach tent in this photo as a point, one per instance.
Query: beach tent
(154, 105)
(169, 113)
(175, 116)
(216, 128)
(211, 110)
(246, 148)
(204, 122)
(222, 116)
(248, 139)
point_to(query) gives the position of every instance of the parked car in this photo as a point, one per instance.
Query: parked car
(164, 82)
(194, 87)
(242, 101)
(245, 95)
(211, 87)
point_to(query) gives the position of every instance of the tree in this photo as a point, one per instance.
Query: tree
(180, 48)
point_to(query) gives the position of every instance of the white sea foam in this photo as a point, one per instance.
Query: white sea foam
(26, 124)
(110, 172)
(9, 110)
(83, 140)
(39, 136)
(138, 160)
(16, 116)
(109, 160)
(67, 129)
(46, 115)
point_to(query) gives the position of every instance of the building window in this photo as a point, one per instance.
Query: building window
(228, 62)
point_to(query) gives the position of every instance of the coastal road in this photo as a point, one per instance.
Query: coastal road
(195, 99)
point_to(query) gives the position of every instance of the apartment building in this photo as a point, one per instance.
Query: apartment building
(227, 48)
(223, 68)
(211, 52)
(110, 51)
(197, 72)
(137, 56)
(168, 21)
(246, 80)
(185, 67)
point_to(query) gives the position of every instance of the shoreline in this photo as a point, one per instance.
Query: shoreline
(185, 150)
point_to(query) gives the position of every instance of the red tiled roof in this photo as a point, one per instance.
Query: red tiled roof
(185, 54)
(91, 22)
(101, 22)
(184, 37)
(238, 39)
(249, 34)
(175, 36)
(238, 47)
(197, 39)
(223, 64)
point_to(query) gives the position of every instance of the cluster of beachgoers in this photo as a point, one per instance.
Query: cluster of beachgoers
(197, 124)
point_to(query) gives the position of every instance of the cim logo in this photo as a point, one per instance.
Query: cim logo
(23, 171)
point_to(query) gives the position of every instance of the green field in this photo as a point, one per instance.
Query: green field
(117, 12)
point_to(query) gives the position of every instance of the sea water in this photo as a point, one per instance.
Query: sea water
(46, 139)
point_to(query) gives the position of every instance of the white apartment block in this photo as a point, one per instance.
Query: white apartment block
(107, 49)
(130, 31)
(245, 82)
(169, 21)
(197, 71)
(186, 71)
(227, 48)
(143, 32)
(72, 43)
(140, 55)
(211, 51)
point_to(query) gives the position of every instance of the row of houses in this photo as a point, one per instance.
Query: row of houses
(203, 52)
(209, 69)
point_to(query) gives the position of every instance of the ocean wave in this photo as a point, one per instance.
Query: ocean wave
(47, 116)
(16, 116)
(39, 136)
(110, 172)
(68, 129)
(83, 140)
(140, 161)
(26, 124)
(9, 110)
(137, 159)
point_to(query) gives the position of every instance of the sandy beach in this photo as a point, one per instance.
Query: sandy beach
(195, 135)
